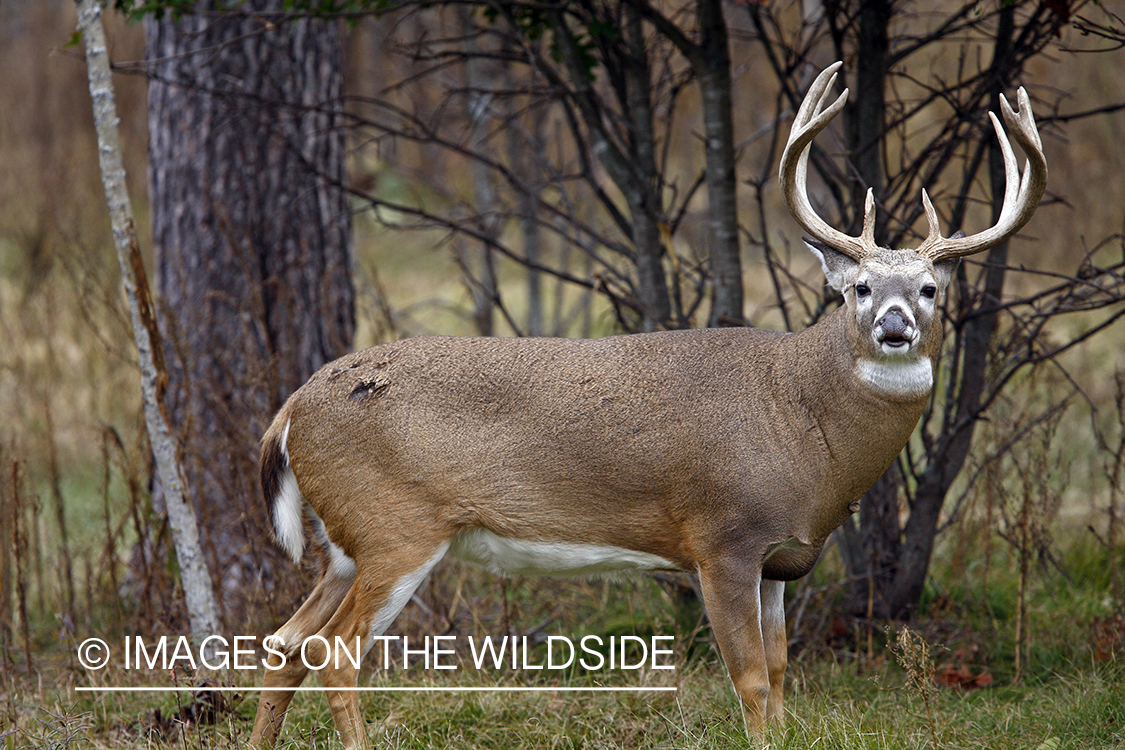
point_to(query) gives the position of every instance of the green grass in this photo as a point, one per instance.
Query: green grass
(829, 707)
(842, 696)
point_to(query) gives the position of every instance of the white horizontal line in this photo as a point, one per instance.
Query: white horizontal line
(95, 689)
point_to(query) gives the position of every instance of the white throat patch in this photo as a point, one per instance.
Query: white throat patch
(897, 377)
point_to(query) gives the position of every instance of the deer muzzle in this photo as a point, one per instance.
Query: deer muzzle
(895, 332)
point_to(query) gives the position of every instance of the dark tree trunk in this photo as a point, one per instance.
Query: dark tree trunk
(888, 561)
(980, 314)
(645, 205)
(868, 122)
(252, 249)
(872, 545)
(722, 184)
(871, 551)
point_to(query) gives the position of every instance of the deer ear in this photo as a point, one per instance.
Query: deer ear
(947, 267)
(838, 268)
(944, 270)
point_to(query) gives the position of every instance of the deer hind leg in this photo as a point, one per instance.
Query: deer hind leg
(368, 609)
(776, 643)
(324, 600)
(732, 595)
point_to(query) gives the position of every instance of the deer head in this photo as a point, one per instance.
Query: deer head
(893, 293)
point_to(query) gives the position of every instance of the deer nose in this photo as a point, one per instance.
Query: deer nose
(894, 330)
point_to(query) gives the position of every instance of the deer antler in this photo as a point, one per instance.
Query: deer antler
(1018, 207)
(1019, 203)
(812, 117)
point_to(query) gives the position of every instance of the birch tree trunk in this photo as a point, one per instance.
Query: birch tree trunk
(198, 592)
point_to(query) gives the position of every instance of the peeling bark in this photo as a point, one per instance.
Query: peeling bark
(252, 246)
(198, 593)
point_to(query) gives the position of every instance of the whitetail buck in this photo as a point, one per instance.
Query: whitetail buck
(731, 453)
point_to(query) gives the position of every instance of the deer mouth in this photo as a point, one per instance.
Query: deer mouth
(895, 341)
(894, 333)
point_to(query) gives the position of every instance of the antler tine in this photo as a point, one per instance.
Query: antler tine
(812, 117)
(1021, 192)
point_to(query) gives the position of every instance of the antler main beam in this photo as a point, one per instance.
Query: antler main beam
(812, 117)
(1021, 195)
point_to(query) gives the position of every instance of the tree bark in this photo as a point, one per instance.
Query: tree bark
(479, 269)
(868, 122)
(722, 185)
(252, 247)
(645, 205)
(632, 167)
(872, 552)
(710, 61)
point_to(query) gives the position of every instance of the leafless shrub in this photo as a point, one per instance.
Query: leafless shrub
(913, 654)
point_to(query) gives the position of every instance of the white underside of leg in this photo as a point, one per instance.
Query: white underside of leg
(339, 564)
(773, 605)
(401, 594)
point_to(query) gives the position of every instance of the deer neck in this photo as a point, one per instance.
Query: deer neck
(865, 409)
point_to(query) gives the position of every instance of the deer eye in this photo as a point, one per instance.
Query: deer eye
(929, 291)
(862, 290)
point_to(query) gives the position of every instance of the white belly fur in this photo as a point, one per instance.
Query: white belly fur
(509, 556)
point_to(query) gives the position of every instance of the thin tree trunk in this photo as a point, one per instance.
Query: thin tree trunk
(633, 169)
(198, 593)
(523, 153)
(868, 120)
(66, 568)
(722, 184)
(872, 551)
(479, 268)
(644, 201)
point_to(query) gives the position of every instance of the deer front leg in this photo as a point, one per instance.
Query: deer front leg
(776, 641)
(732, 595)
